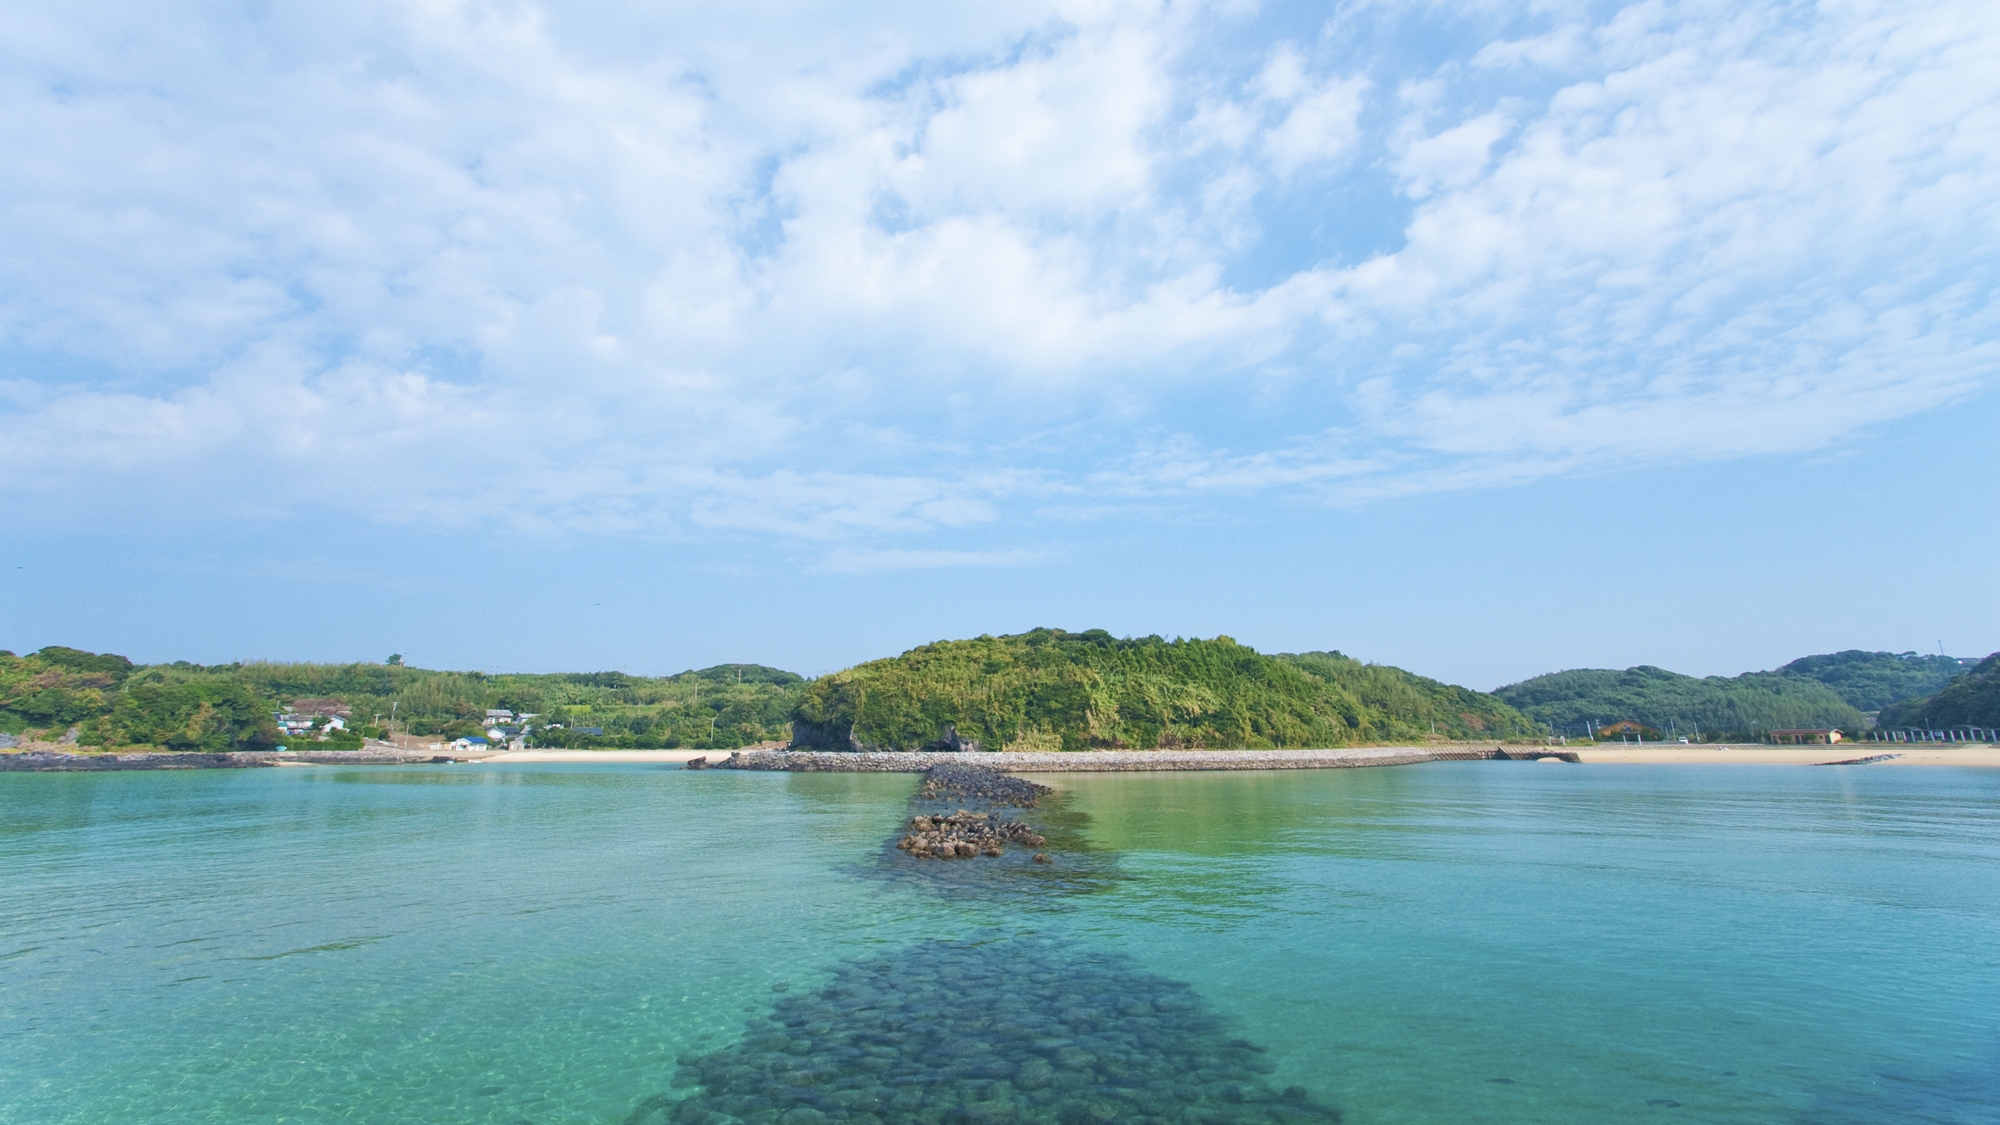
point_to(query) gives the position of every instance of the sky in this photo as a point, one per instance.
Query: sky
(1486, 339)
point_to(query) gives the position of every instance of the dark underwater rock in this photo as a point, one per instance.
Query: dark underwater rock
(1016, 1030)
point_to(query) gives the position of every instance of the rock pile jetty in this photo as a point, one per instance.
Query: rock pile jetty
(963, 835)
(958, 781)
(1020, 1029)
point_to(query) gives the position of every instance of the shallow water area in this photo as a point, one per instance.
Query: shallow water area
(1513, 943)
(1486, 942)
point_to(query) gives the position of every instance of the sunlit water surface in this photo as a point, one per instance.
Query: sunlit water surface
(1470, 942)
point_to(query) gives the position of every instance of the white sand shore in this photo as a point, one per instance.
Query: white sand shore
(603, 756)
(1908, 754)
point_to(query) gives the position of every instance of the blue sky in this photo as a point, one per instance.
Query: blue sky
(1484, 340)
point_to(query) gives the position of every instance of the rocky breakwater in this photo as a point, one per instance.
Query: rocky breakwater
(961, 781)
(966, 834)
(963, 835)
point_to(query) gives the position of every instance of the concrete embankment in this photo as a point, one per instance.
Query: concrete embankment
(1097, 761)
(42, 761)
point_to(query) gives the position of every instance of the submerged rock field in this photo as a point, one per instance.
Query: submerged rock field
(1019, 1029)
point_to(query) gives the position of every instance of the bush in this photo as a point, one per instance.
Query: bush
(204, 715)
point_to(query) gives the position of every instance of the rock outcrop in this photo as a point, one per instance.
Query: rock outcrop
(43, 761)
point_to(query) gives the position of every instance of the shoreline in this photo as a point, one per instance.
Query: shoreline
(1976, 754)
(1085, 761)
(1970, 755)
(1102, 761)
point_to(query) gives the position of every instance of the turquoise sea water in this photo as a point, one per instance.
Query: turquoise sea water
(1465, 942)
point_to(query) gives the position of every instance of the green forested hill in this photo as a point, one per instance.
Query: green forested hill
(1045, 689)
(182, 706)
(1050, 689)
(1736, 707)
(1970, 700)
(1871, 681)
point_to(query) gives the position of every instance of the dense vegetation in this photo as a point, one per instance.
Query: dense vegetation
(1970, 700)
(1871, 681)
(111, 702)
(1049, 689)
(1669, 703)
(1046, 689)
(1829, 690)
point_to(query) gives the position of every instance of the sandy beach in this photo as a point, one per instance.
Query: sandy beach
(1907, 754)
(601, 756)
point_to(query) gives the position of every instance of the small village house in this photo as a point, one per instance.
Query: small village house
(1807, 736)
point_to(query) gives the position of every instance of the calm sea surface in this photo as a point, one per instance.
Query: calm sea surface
(1465, 942)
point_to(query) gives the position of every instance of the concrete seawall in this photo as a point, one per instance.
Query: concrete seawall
(1112, 761)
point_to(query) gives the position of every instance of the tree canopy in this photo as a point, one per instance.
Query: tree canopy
(1970, 700)
(1871, 681)
(1735, 707)
(1044, 689)
(114, 703)
(1049, 689)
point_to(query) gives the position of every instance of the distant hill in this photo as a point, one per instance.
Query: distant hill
(1734, 707)
(1043, 689)
(1871, 681)
(1047, 688)
(743, 674)
(1051, 689)
(1970, 700)
(181, 706)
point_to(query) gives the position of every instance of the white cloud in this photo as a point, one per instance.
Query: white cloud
(1321, 116)
(1453, 158)
(827, 275)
